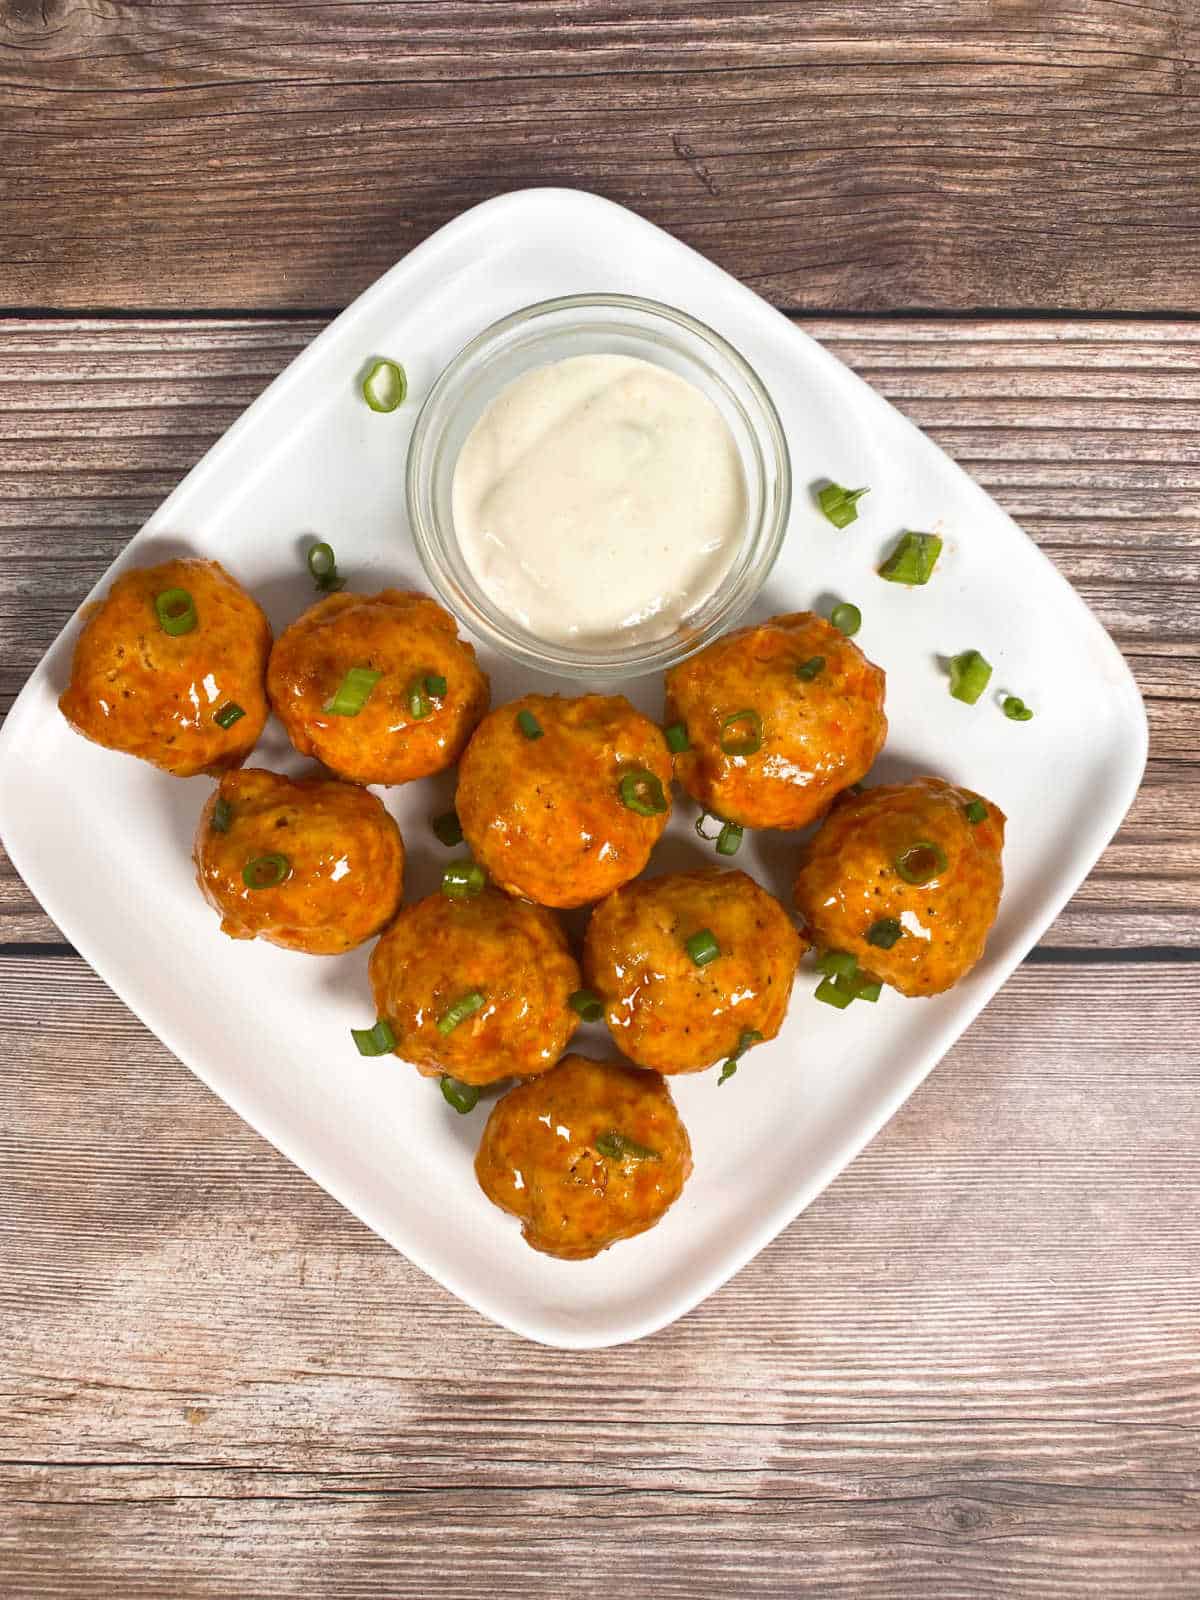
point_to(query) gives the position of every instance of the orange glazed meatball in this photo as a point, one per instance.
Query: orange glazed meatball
(779, 718)
(905, 878)
(379, 688)
(585, 1155)
(499, 965)
(310, 864)
(563, 800)
(170, 667)
(664, 1010)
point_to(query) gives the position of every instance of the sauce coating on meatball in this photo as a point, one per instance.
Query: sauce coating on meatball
(663, 1010)
(779, 718)
(507, 958)
(587, 1154)
(902, 878)
(182, 689)
(330, 861)
(416, 714)
(562, 800)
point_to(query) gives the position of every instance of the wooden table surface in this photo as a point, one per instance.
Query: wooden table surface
(970, 1369)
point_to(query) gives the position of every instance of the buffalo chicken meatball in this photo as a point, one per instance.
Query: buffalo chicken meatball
(170, 667)
(563, 800)
(310, 864)
(587, 1154)
(779, 718)
(476, 988)
(907, 878)
(379, 688)
(670, 1003)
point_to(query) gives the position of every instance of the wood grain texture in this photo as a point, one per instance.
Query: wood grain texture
(969, 1370)
(1016, 153)
(1086, 432)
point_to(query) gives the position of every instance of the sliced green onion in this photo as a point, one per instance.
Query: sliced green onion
(846, 618)
(701, 820)
(463, 880)
(462, 1096)
(837, 964)
(810, 669)
(436, 685)
(322, 564)
(1015, 709)
(836, 992)
(266, 872)
(751, 737)
(642, 791)
(884, 933)
(588, 1004)
(868, 989)
(619, 1147)
(465, 1006)
(702, 947)
(969, 676)
(840, 505)
(222, 815)
(727, 1071)
(176, 611)
(975, 811)
(751, 1036)
(385, 386)
(376, 1041)
(913, 559)
(921, 862)
(353, 692)
(229, 713)
(529, 724)
(420, 705)
(448, 828)
(729, 840)
(677, 738)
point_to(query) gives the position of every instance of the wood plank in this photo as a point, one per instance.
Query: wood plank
(859, 156)
(967, 1370)
(1062, 421)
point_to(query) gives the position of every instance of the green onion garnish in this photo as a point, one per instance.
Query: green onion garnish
(229, 713)
(266, 872)
(921, 862)
(969, 676)
(835, 992)
(700, 821)
(702, 947)
(323, 565)
(975, 811)
(913, 559)
(385, 386)
(837, 964)
(748, 740)
(751, 1036)
(846, 618)
(1016, 710)
(729, 840)
(376, 1041)
(176, 611)
(462, 1096)
(840, 505)
(465, 1006)
(727, 1071)
(677, 738)
(587, 1004)
(420, 705)
(353, 692)
(463, 880)
(448, 828)
(436, 685)
(641, 791)
(884, 933)
(810, 669)
(222, 815)
(868, 989)
(619, 1147)
(843, 982)
(529, 724)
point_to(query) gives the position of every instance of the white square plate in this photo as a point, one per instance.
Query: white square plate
(104, 842)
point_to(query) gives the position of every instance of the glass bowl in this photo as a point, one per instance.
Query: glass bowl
(597, 324)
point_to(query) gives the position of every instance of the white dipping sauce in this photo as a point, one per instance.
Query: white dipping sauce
(600, 498)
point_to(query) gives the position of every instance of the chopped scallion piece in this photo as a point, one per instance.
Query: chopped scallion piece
(619, 1147)
(846, 618)
(975, 811)
(868, 989)
(462, 1096)
(677, 738)
(913, 559)
(641, 791)
(1015, 709)
(352, 694)
(587, 1004)
(176, 611)
(702, 947)
(921, 862)
(376, 1041)
(266, 872)
(322, 564)
(529, 724)
(420, 705)
(729, 840)
(222, 815)
(750, 737)
(385, 386)
(840, 505)
(448, 828)
(436, 685)
(706, 817)
(727, 1071)
(229, 713)
(463, 880)
(837, 964)
(884, 933)
(969, 676)
(838, 992)
(749, 1037)
(810, 669)
(465, 1006)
